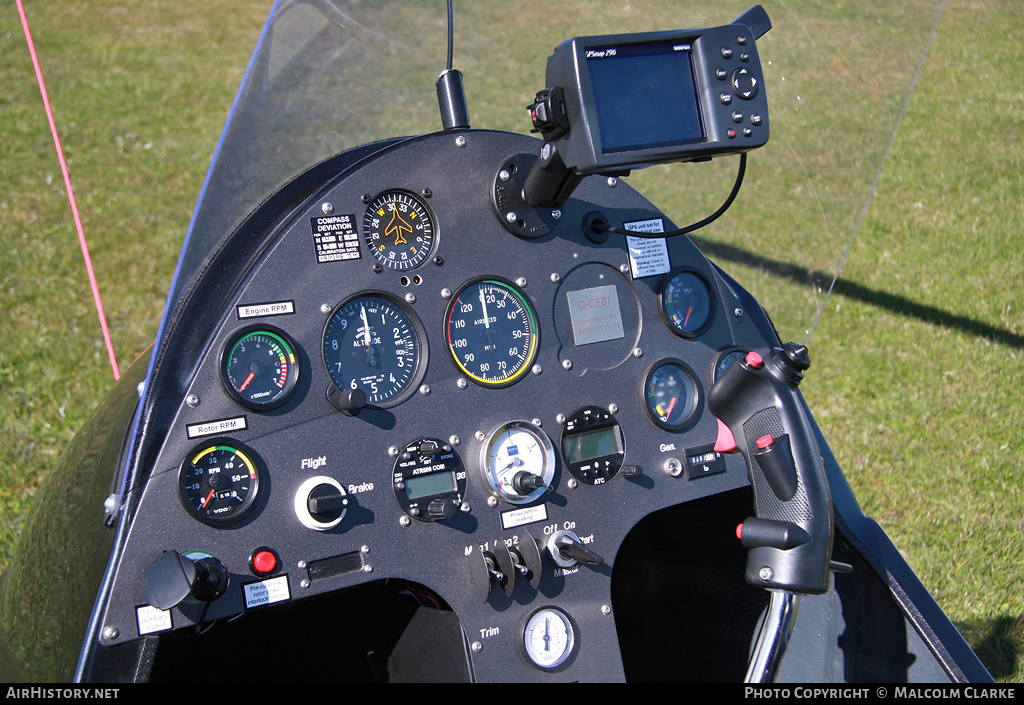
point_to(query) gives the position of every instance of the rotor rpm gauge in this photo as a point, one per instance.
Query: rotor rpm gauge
(518, 461)
(218, 482)
(399, 230)
(373, 343)
(259, 368)
(492, 332)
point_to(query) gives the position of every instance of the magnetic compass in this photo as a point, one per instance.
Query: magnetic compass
(398, 230)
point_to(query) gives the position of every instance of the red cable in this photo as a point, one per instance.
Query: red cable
(71, 193)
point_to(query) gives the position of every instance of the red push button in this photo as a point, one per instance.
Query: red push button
(263, 561)
(753, 359)
(764, 441)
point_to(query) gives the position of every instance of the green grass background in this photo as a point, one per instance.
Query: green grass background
(918, 374)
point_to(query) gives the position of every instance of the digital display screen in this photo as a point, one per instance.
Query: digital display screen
(645, 95)
(581, 447)
(427, 485)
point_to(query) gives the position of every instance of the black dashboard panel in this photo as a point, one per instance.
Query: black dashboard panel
(415, 470)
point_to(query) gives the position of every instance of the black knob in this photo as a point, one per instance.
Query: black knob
(441, 510)
(348, 402)
(570, 548)
(325, 503)
(525, 482)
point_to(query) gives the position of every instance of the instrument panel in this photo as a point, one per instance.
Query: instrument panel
(403, 388)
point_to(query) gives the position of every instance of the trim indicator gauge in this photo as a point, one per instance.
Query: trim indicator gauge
(549, 638)
(492, 332)
(398, 230)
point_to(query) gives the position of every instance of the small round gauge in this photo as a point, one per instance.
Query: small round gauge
(399, 230)
(259, 368)
(492, 332)
(372, 343)
(672, 395)
(549, 638)
(518, 461)
(723, 359)
(218, 482)
(686, 302)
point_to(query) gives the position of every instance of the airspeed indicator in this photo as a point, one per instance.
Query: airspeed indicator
(492, 333)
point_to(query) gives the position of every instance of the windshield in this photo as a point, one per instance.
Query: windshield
(329, 75)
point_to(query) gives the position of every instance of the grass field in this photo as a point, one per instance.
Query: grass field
(918, 374)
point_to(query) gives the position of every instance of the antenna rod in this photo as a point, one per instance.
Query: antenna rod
(451, 95)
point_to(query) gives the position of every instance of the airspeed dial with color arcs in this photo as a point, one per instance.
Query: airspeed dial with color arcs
(491, 332)
(398, 230)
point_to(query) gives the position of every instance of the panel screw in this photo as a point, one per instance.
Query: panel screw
(325, 309)
(555, 278)
(364, 549)
(477, 647)
(560, 418)
(766, 574)
(567, 364)
(492, 501)
(624, 268)
(637, 352)
(410, 298)
(192, 400)
(110, 633)
(572, 484)
(479, 435)
(365, 198)
(438, 260)
(327, 207)
(504, 175)
(511, 217)
(304, 584)
(738, 312)
(613, 408)
(393, 451)
(556, 214)
(404, 521)
(537, 369)
(612, 182)
(427, 193)
(460, 141)
(606, 610)
(446, 293)
(521, 281)
(425, 389)
(454, 440)
(461, 383)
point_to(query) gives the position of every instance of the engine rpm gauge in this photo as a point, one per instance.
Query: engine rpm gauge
(218, 483)
(373, 343)
(686, 303)
(259, 368)
(398, 230)
(491, 332)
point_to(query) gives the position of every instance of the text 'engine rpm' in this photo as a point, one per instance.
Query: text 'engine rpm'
(372, 343)
(492, 332)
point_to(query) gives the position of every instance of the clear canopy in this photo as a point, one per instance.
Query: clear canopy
(328, 75)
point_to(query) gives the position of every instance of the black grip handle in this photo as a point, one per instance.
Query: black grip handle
(759, 402)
